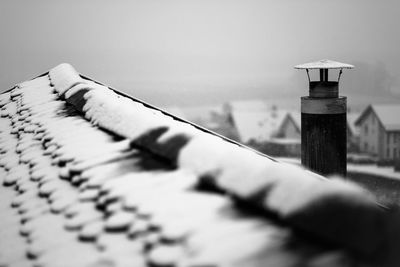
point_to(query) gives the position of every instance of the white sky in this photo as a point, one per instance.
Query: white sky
(190, 52)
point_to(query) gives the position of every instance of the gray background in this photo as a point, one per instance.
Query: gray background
(184, 52)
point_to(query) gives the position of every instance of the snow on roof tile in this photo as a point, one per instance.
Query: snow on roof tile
(117, 182)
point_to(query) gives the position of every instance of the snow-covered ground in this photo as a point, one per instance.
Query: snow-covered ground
(387, 172)
(373, 169)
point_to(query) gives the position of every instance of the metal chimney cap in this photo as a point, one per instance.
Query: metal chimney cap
(324, 64)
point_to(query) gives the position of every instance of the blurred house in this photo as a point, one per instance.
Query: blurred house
(253, 120)
(209, 117)
(222, 124)
(264, 127)
(380, 131)
(261, 125)
(288, 135)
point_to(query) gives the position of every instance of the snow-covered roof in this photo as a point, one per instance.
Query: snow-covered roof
(386, 113)
(296, 116)
(257, 125)
(91, 177)
(324, 64)
(389, 116)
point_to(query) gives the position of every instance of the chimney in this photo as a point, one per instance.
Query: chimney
(323, 121)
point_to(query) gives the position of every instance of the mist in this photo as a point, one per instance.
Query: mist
(203, 52)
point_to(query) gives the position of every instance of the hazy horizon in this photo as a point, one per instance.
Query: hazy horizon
(191, 52)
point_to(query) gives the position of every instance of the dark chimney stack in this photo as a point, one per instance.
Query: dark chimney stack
(324, 122)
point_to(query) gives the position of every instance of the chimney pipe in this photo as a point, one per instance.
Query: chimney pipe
(324, 122)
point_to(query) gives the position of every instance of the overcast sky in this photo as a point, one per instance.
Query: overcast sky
(206, 51)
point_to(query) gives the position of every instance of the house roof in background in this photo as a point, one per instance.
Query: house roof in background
(255, 119)
(389, 116)
(296, 116)
(91, 177)
(386, 113)
(257, 125)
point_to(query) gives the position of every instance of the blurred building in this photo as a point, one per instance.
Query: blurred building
(254, 120)
(264, 127)
(261, 125)
(380, 131)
